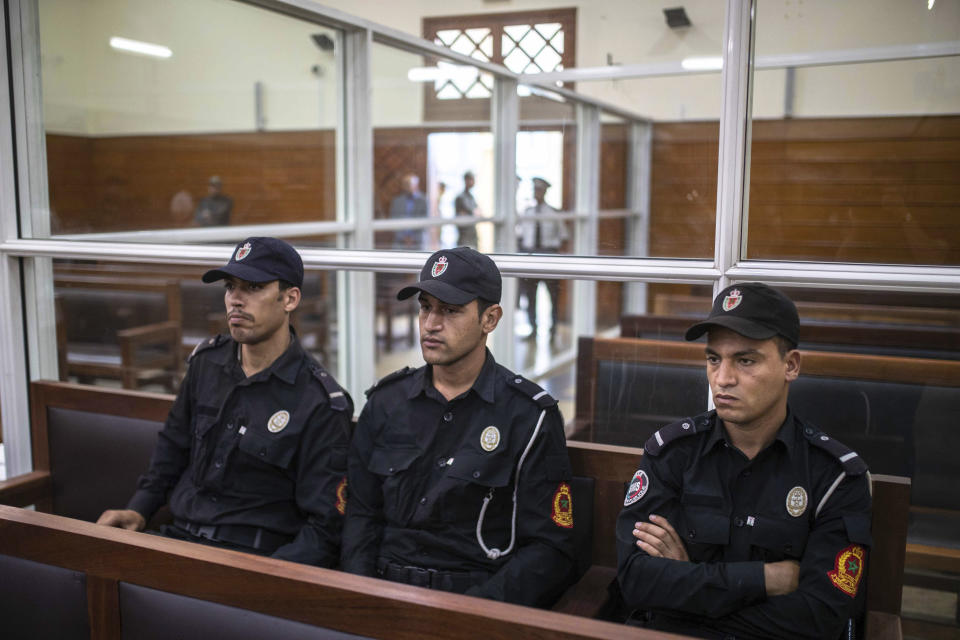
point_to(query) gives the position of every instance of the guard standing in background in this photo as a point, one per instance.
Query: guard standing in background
(541, 236)
(253, 454)
(458, 471)
(746, 521)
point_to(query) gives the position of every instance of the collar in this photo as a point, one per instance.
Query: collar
(286, 366)
(787, 434)
(483, 386)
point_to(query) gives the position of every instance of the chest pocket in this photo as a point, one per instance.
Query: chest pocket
(780, 539)
(399, 488)
(277, 451)
(482, 469)
(704, 531)
(392, 462)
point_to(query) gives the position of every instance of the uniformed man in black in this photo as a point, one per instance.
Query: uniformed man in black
(746, 521)
(253, 454)
(458, 470)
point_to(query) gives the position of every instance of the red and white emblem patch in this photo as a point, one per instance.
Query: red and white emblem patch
(848, 569)
(638, 487)
(342, 496)
(243, 252)
(563, 507)
(439, 267)
(733, 300)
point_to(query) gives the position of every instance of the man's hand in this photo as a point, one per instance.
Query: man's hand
(659, 539)
(123, 519)
(781, 577)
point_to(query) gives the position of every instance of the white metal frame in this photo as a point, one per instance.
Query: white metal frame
(23, 192)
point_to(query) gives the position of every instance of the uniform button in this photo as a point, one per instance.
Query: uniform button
(263, 452)
(738, 522)
(213, 498)
(746, 473)
(518, 380)
(447, 417)
(788, 547)
(441, 462)
(423, 501)
(229, 426)
(692, 534)
(808, 431)
(476, 474)
(390, 470)
(218, 463)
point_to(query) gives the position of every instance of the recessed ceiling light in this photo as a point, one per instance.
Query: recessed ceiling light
(143, 48)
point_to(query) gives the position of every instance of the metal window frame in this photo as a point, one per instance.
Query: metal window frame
(22, 187)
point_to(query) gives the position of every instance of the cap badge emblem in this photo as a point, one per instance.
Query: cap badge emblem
(797, 501)
(638, 487)
(243, 252)
(439, 267)
(733, 300)
(278, 421)
(490, 438)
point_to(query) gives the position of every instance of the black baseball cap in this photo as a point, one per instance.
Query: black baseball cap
(754, 310)
(261, 260)
(457, 276)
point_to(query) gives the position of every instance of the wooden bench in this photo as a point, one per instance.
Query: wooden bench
(81, 431)
(142, 314)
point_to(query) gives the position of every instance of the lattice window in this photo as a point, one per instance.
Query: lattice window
(525, 42)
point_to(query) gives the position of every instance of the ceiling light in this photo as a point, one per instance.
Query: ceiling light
(143, 48)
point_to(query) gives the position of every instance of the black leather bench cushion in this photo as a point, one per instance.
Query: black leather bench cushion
(634, 399)
(148, 614)
(96, 460)
(40, 601)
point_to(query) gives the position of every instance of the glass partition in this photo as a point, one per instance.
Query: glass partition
(856, 162)
(129, 325)
(424, 168)
(153, 120)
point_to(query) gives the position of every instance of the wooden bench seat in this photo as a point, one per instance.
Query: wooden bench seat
(118, 429)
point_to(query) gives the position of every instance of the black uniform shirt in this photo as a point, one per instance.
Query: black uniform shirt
(804, 498)
(265, 451)
(419, 471)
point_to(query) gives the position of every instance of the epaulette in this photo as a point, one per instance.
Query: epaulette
(215, 341)
(680, 429)
(396, 375)
(532, 390)
(338, 397)
(849, 459)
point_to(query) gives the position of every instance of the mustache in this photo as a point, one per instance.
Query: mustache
(239, 314)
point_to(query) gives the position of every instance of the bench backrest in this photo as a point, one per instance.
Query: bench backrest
(131, 578)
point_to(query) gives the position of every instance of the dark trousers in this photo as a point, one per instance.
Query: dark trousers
(528, 289)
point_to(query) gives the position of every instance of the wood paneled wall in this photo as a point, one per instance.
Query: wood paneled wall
(128, 182)
(849, 190)
(861, 190)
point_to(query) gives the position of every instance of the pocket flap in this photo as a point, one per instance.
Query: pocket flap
(275, 451)
(788, 537)
(705, 526)
(488, 470)
(388, 462)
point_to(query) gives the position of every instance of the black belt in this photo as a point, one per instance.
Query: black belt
(455, 581)
(253, 537)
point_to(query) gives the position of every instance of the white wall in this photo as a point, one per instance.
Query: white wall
(222, 47)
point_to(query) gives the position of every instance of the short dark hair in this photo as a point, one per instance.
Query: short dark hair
(483, 305)
(284, 284)
(783, 345)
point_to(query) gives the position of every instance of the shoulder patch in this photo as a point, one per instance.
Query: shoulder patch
(336, 394)
(210, 343)
(532, 390)
(680, 429)
(851, 462)
(387, 379)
